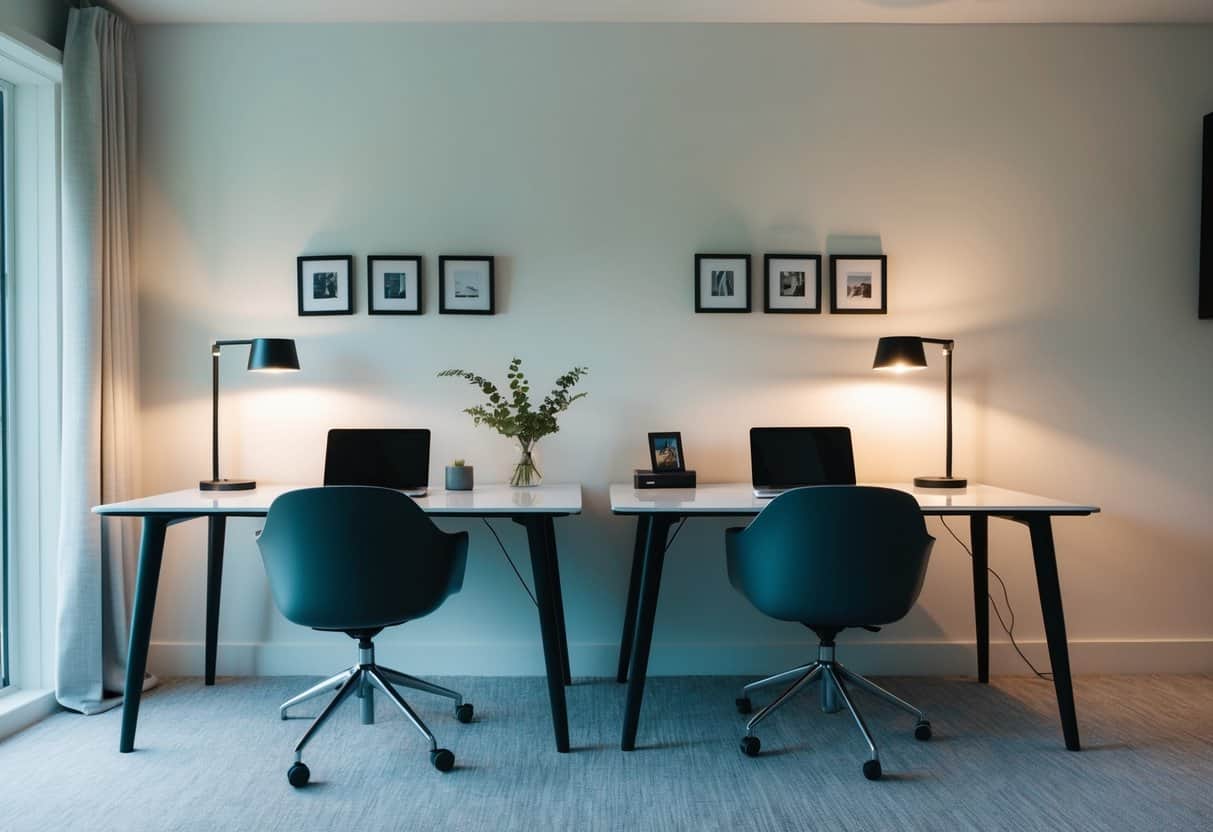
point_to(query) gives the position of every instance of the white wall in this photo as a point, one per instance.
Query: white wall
(1035, 188)
(44, 19)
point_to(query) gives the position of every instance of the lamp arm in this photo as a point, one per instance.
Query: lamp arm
(215, 411)
(215, 348)
(948, 360)
(949, 346)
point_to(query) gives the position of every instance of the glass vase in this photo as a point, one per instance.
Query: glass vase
(525, 472)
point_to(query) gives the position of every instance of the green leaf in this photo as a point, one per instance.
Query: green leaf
(516, 417)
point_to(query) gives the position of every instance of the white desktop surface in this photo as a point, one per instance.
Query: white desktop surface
(558, 498)
(738, 498)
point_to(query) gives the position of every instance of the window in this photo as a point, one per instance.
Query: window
(6, 95)
(30, 77)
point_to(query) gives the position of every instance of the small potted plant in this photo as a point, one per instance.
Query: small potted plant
(512, 414)
(458, 476)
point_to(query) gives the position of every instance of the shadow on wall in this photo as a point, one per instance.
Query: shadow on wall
(182, 374)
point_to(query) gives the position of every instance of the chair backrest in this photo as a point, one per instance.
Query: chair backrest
(833, 556)
(357, 558)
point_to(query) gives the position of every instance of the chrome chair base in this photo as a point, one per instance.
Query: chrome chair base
(363, 679)
(831, 675)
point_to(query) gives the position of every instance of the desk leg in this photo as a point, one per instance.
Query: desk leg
(979, 540)
(540, 536)
(629, 614)
(151, 553)
(1049, 586)
(650, 585)
(216, 534)
(558, 602)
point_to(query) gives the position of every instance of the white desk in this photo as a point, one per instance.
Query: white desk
(657, 510)
(486, 500)
(533, 508)
(735, 499)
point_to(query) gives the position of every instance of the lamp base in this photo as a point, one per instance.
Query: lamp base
(940, 482)
(227, 485)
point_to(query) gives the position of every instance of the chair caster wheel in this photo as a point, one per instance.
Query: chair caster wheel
(464, 713)
(442, 759)
(922, 731)
(750, 746)
(871, 769)
(298, 775)
(744, 705)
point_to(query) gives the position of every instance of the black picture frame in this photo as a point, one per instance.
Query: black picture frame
(371, 260)
(682, 458)
(744, 262)
(300, 267)
(443, 308)
(883, 260)
(767, 260)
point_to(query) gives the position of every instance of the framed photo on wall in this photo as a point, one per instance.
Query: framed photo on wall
(665, 452)
(722, 283)
(792, 283)
(859, 284)
(394, 284)
(325, 286)
(465, 285)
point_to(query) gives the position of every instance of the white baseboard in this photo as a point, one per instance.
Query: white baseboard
(916, 658)
(20, 709)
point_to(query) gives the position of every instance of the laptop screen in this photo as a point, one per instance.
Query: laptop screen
(792, 457)
(389, 458)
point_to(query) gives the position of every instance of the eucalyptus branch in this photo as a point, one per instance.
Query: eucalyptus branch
(511, 413)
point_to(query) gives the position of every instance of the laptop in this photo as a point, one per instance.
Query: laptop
(396, 458)
(785, 458)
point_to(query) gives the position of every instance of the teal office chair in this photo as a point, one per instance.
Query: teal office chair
(355, 559)
(831, 557)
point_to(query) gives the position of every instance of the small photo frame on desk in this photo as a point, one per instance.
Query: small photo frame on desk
(665, 452)
(325, 286)
(393, 284)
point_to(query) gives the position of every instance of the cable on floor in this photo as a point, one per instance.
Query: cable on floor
(1009, 629)
(521, 580)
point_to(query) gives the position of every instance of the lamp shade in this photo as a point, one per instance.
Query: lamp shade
(900, 352)
(277, 355)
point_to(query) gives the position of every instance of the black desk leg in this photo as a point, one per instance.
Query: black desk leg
(650, 585)
(979, 540)
(1049, 586)
(558, 602)
(216, 533)
(151, 553)
(629, 614)
(539, 537)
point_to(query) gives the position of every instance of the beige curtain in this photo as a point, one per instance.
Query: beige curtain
(100, 363)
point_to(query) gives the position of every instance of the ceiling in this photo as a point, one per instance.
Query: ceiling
(708, 11)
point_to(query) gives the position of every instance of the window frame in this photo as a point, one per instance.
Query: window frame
(34, 71)
(7, 92)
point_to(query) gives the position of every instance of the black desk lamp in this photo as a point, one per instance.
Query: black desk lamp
(266, 355)
(904, 353)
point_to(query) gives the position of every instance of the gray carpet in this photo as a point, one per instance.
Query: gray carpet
(216, 759)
